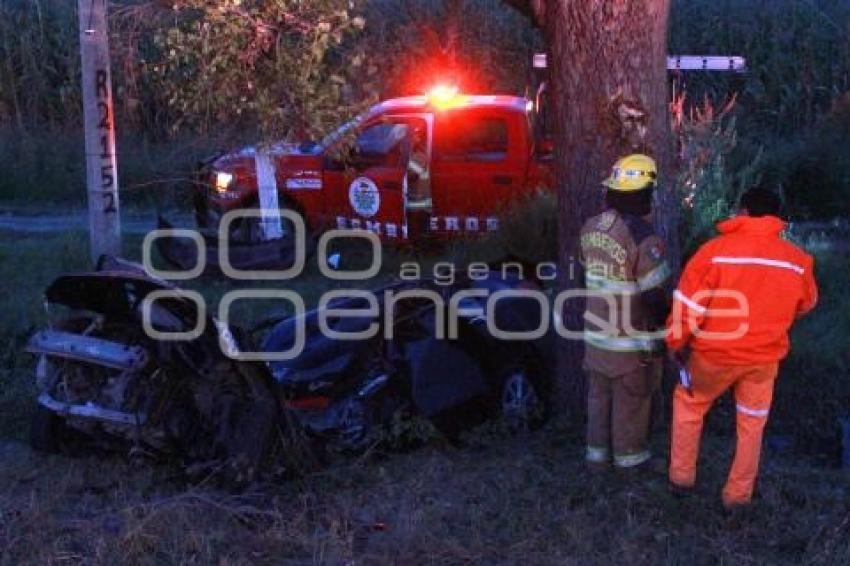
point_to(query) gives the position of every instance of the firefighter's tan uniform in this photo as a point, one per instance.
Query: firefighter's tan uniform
(418, 175)
(625, 274)
(418, 203)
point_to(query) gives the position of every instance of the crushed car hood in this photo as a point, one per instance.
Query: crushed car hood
(114, 293)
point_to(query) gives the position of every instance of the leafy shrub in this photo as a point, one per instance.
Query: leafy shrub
(529, 229)
(788, 113)
(431, 41)
(288, 66)
(528, 233)
(707, 186)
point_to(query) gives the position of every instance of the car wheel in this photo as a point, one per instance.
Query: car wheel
(354, 426)
(521, 407)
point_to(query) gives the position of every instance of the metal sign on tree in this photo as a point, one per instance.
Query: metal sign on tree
(734, 63)
(101, 167)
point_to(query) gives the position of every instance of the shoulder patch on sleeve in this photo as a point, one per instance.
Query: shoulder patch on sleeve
(605, 220)
(656, 251)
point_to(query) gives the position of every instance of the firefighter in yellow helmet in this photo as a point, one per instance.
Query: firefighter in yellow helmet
(625, 275)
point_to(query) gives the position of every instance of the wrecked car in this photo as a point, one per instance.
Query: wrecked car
(103, 381)
(171, 382)
(423, 358)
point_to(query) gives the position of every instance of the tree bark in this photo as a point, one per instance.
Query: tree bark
(607, 63)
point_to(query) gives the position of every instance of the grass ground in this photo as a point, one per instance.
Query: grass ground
(525, 500)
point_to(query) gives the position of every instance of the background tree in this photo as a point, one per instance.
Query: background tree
(289, 67)
(791, 105)
(607, 61)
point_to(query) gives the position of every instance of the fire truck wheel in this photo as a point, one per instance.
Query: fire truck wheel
(250, 231)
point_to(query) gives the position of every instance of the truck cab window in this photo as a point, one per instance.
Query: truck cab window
(472, 139)
(378, 145)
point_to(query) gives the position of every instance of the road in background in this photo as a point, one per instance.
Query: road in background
(131, 222)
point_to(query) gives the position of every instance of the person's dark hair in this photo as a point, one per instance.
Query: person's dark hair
(635, 203)
(761, 201)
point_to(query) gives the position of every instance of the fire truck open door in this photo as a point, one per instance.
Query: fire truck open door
(376, 192)
(376, 202)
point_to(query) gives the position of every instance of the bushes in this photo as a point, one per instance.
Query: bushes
(813, 166)
(798, 56)
(707, 185)
(431, 41)
(720, 160)
(47, 167)
(288, 69)
(789, 113)
(41, 168)
(529, 229)
(39, 63)
(813, 391)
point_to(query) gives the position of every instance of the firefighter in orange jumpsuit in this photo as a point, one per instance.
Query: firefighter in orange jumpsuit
(736, 300)
(625, 271)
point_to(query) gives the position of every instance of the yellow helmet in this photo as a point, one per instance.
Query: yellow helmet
(632, 173)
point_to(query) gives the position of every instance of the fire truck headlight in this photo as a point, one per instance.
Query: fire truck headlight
(223, 181)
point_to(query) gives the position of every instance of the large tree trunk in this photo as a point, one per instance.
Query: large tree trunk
(607, 62)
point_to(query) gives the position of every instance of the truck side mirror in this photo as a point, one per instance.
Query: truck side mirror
(545, 149)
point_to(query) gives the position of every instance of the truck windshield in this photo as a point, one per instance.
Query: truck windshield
(341, 132)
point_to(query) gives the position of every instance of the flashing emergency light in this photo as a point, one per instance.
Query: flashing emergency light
(444, 96)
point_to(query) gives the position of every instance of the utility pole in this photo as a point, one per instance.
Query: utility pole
(101, 166)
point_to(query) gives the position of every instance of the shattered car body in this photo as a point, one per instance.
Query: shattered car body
(102, 378)
(343, 389)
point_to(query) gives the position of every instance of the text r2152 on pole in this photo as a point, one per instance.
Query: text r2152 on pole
(101, 163)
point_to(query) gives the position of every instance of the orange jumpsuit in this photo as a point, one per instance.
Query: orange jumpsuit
(735, 302)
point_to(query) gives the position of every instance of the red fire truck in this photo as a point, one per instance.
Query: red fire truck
(441, 164)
